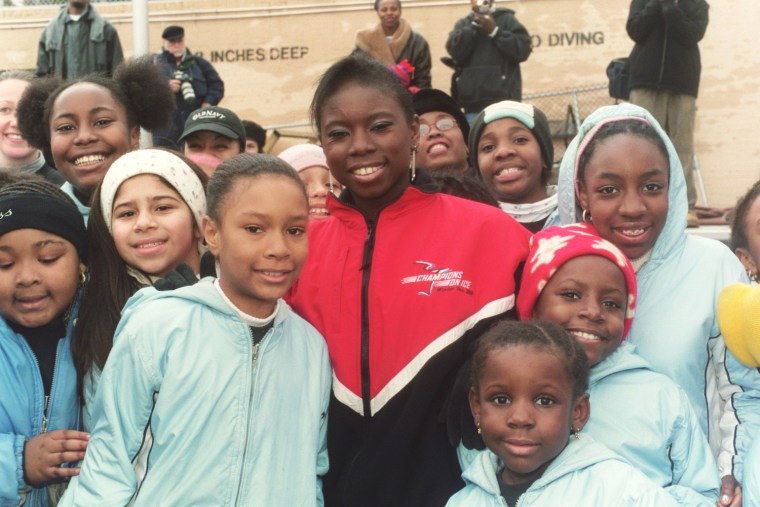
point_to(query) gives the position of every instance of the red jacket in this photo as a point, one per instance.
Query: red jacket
(395, 302)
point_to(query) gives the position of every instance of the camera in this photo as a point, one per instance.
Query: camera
(186, 85)
(482, 7)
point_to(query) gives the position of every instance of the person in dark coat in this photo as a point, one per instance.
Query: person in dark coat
(193, 80)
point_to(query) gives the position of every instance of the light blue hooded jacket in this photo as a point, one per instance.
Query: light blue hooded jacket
(676, 326)
(751, 482)
(22, 407)
(584, 473)
(186, 414)
(648, 420)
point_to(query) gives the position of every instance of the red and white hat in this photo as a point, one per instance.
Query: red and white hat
(553, 247)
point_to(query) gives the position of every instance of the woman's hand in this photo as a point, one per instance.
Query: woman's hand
(44, 454)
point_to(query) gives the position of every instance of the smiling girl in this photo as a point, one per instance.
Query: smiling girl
(529, 402)
(88, 123)
(43, 251)
(511, 149)
(217, 393)
(146, 223)
(622, 173)
(397, 280)
(585, 284)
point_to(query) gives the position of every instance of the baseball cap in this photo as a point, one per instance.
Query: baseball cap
(215, 119)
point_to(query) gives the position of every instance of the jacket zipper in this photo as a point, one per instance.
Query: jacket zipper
(254, 359)
(46, 402)
(369, 246)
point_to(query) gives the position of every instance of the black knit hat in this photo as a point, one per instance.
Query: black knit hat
(45, 213)
(528, 115)
(255, 132)
(430, 99)
(173, 33)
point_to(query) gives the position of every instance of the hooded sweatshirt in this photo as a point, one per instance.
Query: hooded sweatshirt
(190, 412)
(584, 473)
(676, 326)
(670, 449)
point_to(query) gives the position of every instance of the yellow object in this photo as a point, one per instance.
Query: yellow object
(739, 320)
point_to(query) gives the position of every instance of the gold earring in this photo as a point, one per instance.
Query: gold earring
(477, 425)
(586, 216)
(413, 165)
(82, 277)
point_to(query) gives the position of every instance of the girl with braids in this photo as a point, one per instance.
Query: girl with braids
(17, 155)
(43, 251)
(145, 222)
(88, 123)
(529, 402)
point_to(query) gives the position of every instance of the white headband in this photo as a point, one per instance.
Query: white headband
(160, 163)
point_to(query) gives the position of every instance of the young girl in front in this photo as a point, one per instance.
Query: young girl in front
(511, 148)
(529, 402)
(88, 123)
(586, 285)
(217, 393)
(43, 251)
(399, 284)
(622, 173)
(145, 223)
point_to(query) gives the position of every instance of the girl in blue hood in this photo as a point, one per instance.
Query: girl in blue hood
(622, 173)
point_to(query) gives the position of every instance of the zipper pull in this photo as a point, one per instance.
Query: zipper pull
(43, 428)
(255, 354)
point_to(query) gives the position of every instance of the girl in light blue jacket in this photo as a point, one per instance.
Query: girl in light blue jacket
(217, 393)
(43, 248)
(529, 403)
(622, 173)
(586, 285)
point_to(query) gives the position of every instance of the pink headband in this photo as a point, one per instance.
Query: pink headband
(553, 247)
(589, 137)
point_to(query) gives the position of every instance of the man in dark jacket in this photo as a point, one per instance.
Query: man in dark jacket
(193, 80)
(664, 71)
(487, 46)
(78, 41)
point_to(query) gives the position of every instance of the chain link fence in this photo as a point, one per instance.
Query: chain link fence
(566, 110)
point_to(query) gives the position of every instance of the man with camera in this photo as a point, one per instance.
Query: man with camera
(193, 80)
(487, 47)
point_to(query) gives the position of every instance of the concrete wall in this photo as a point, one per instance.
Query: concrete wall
(271, 53)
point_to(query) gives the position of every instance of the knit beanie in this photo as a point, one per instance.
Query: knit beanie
(552, 248)
(528, 115)
(303, 156)
(45, 213)
(739, 321)
(161, 163)
(430, 99)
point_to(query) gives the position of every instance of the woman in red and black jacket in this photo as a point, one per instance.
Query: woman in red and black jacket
(399, 280)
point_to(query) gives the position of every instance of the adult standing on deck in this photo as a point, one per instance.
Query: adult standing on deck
(77, 42)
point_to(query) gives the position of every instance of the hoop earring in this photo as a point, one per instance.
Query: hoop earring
(586, 216)
(413, 165)
(82, 277)
(752, 276)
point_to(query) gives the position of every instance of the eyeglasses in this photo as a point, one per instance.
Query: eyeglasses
(442, 125)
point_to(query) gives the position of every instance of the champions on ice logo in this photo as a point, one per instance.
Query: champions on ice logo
(438, 279)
